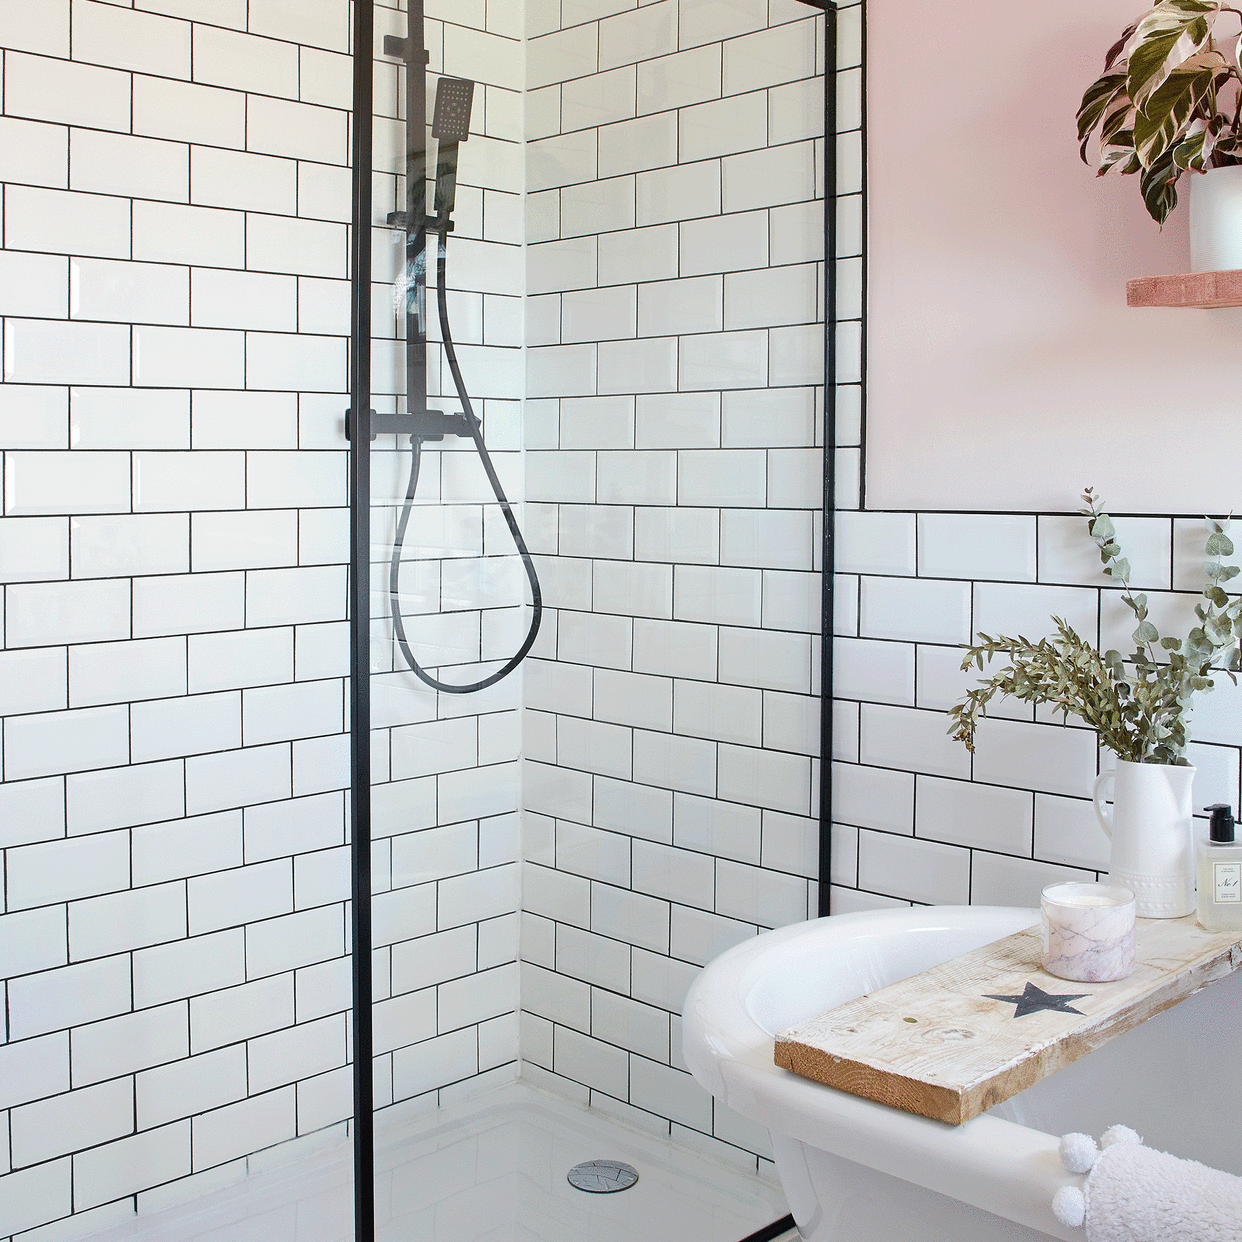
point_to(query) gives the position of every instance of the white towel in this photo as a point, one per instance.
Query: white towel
(1133, 1193)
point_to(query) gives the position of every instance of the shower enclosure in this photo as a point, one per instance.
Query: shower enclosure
(408, 763)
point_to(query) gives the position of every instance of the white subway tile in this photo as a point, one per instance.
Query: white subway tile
(633, 589)
(205, 236)
(1028, 610)
(722, 713)
(873, 797)
(243, 1012)
(32, 681)
(558, 56)
(119, 922)
(961, 545)
(33, 416)
(249, 539)
(165, 728)
(65, 91)
(996, 880)
(875, 543)
(793, 602)
(720, 596)
(297, 130)
(255, 1123)
(916, 870)
(130, 545)
(32, 941)
(242, 658)
(681, 193)
(325, 24)
(224, 299)
(222, 178)
(130, 1042)
(185, 847)
(598, 99)
(189, 113)
(188, 358)
(189, 604)
(726, 477)
(40, 351)
(295, 940)
(98, 801)
(104, 418)
(279, 713)
(763, 59)
(71, 1121)
(33, 153)
(300, 247)
(755, 895)
(73, 741)
(639, 144)
(326, 78)
(245, 420)
(765, 778)
(772, 539)
(1067, 831)
(723, 359)
(905, 738)
(188, 967)
(33, 284)
(41, 614)
(706, 21)
(295, 596)
(770, 660)
(771, 296)
(698, 936)
(639, 254)
(677, 763)
(126, 671)
(675, 648)
(128, 292)
(244, 62)
(66, 483)
(981, 816)
(237, 778)
(67, 997)
(190, 1086)
(915, 610)
(874, 671)
(730, 243)
(1047, 758)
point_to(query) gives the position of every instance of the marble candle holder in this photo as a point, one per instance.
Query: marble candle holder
(1088, 931)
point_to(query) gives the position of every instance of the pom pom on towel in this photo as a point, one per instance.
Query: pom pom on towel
(1119, 1134)
(1078, 1153)
(1069, 1207)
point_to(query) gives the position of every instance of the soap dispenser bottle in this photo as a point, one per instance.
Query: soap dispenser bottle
(1220, 873)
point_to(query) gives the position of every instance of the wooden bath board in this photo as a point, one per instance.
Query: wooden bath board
(955, 1040)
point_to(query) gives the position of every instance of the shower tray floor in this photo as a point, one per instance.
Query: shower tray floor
(490, 1168)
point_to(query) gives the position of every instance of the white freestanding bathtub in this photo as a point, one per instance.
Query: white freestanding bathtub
(856, 1171)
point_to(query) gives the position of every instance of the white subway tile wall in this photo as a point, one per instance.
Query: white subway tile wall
(173, 548)
(673, 436)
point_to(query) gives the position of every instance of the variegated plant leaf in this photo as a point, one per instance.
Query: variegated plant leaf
(1168, 36)
(1119, 154)
(1157, 186)
(1195, 147)
(1100, 99)
(1160, 122)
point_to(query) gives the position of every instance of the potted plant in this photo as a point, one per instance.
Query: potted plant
(1169, 102)
(1138, 706)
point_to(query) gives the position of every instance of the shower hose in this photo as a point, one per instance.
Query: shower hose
(403, 521)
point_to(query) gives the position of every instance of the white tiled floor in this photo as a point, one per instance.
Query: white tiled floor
(489, 1169)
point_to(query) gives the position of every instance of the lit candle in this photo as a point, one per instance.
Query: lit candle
(1088, 931)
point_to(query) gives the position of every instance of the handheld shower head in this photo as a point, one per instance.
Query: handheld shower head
(451, 120)
(450, 123)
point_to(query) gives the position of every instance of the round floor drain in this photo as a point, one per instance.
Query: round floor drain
(602, 1177)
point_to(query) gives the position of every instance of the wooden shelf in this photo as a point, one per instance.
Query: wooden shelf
(1206, 290)
(941, 1045)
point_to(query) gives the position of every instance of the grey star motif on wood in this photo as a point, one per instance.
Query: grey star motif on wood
(1036, 1000)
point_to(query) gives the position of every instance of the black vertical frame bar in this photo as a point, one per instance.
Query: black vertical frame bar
(359, 430)
(827, 561)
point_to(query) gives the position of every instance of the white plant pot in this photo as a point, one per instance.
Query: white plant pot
(1216, 219)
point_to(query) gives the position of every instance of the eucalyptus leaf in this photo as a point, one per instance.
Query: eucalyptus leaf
(1219, 544)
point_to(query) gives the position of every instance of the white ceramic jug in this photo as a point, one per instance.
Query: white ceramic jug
(1153, 851)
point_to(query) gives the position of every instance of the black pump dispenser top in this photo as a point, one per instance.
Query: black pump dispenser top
(1220, 826)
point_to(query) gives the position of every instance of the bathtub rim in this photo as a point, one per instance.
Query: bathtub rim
(1004, 1168)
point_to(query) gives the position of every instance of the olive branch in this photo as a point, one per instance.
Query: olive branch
(1138, 706)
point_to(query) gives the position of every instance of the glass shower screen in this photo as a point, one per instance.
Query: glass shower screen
(449, 587)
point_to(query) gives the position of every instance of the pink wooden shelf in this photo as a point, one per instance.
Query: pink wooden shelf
(1206, 290)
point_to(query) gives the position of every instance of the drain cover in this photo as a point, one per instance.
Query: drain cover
(603, 1177)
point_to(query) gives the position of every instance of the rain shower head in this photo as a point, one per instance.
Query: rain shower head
(451, 120)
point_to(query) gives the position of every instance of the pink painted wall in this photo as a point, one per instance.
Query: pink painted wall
(1005, 370)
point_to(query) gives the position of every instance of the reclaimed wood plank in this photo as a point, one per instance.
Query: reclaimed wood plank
(945, 1045)
(1204, 290)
